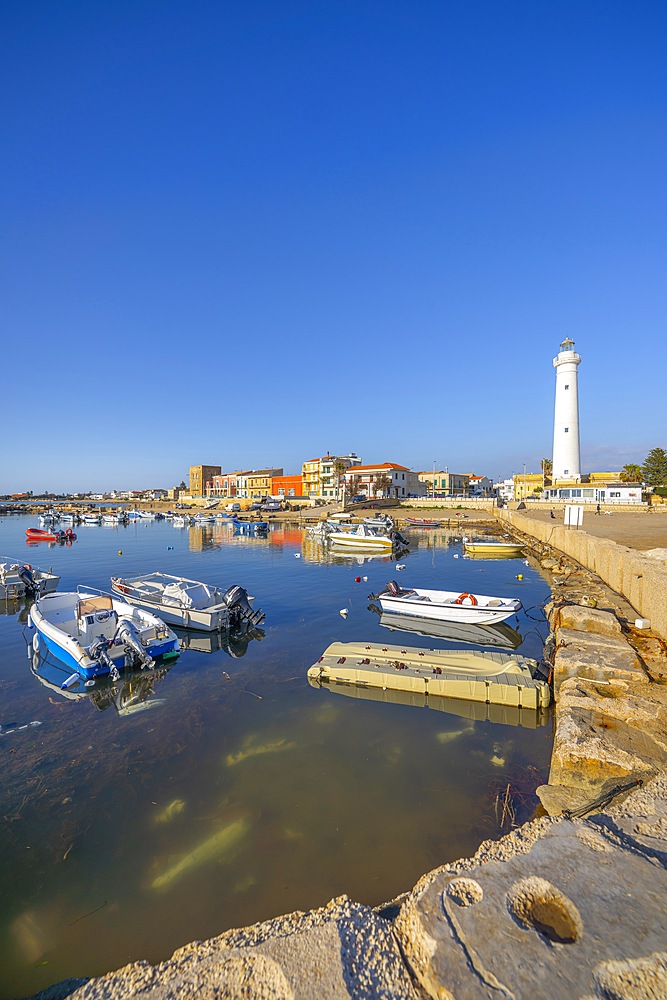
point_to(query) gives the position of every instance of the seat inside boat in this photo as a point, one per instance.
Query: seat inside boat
(96, 616)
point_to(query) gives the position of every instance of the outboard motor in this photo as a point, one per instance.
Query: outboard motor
(98, 651)
(398, 538)
(129, 636)
(239, 607)
(28, 580)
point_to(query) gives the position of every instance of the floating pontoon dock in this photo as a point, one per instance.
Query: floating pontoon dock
(492, 678)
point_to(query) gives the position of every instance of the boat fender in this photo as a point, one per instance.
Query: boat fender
(70, 682)
(472, 600)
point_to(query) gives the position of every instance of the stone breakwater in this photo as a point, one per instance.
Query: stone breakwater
(569, 905)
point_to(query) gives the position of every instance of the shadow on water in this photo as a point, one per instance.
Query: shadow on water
(225, 790)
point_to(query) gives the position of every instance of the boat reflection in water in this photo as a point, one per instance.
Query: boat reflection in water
(474, 711)
(134, 693)
(500, 635)
(235, 644)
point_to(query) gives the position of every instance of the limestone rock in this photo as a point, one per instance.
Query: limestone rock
(340, 951)
(597, 657)
(586, 619)
(547, 923)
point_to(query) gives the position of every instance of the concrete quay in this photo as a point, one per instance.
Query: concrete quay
(570, 904)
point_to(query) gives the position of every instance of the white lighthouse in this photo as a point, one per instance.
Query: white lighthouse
(566, 459)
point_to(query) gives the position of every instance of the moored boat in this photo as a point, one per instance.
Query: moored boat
(490, 549)
(445, 605)
(362, 537)
(19, 579)
(188, 603)
(44, 535)
(96, 635)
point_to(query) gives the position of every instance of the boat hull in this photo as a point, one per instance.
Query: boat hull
(69, 650)
(448, 606)
(491, 549)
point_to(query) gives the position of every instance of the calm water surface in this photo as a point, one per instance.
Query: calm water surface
(227, 790)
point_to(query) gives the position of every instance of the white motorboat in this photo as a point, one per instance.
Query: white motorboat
(381, 523)
(91, 519)
(445, 605)
(181, 521)
(204, 519)
(110, 519)
(20, 579)
(362, 537)
(97, 635)
(188, 603)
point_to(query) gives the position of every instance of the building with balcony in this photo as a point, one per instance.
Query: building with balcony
(285, 487)
(201, 478)
(323, 477)
(387, 479)
(258, 484)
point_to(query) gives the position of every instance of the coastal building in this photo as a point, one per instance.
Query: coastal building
(439, 483)
(387, 479)
(286, 486)
(201, 478)
(480, 486)
(566, 453)
(226, 485)
(258, 484)
(322, 477)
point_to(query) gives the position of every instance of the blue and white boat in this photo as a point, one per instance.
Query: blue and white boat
(97, 635)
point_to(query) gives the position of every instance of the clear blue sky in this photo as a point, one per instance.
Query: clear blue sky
(246, 232)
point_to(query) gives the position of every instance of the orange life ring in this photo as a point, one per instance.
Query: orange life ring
(471, 597)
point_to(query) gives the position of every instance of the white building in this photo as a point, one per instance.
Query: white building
(566, 453)
(386, 479)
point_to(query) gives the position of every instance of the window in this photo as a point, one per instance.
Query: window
(567, 430)
(566, 472)
(612, 494)
(567, 387)
(576, 493)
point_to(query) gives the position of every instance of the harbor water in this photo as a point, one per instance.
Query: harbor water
(224, 789)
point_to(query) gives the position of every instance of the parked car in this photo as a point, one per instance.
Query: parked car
(359, 498)
(233, 506)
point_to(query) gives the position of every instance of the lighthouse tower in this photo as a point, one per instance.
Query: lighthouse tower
(566, 459)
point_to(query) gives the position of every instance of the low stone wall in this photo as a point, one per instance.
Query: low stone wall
(435, 503)
(639, 578)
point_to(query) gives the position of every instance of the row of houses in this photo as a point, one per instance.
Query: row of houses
(331, 477)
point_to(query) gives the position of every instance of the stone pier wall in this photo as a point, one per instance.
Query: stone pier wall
(639, 578)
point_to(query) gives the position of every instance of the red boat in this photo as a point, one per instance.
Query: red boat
(40, 535)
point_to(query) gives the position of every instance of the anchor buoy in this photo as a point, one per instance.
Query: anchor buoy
(469, 597)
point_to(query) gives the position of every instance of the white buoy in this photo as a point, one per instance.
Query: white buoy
(365, 579)
(400, 565)
(297, 555)
(344, 612)
(456, 555)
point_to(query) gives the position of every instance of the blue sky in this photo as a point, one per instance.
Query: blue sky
(246, 233)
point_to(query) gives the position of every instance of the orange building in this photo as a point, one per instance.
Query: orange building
(287, 486)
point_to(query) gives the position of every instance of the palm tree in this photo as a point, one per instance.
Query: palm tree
(631, 473)
(547, 470)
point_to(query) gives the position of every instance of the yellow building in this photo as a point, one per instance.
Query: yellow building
(528, 484)
(201, 477)
(322, 477)
(258, 484)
